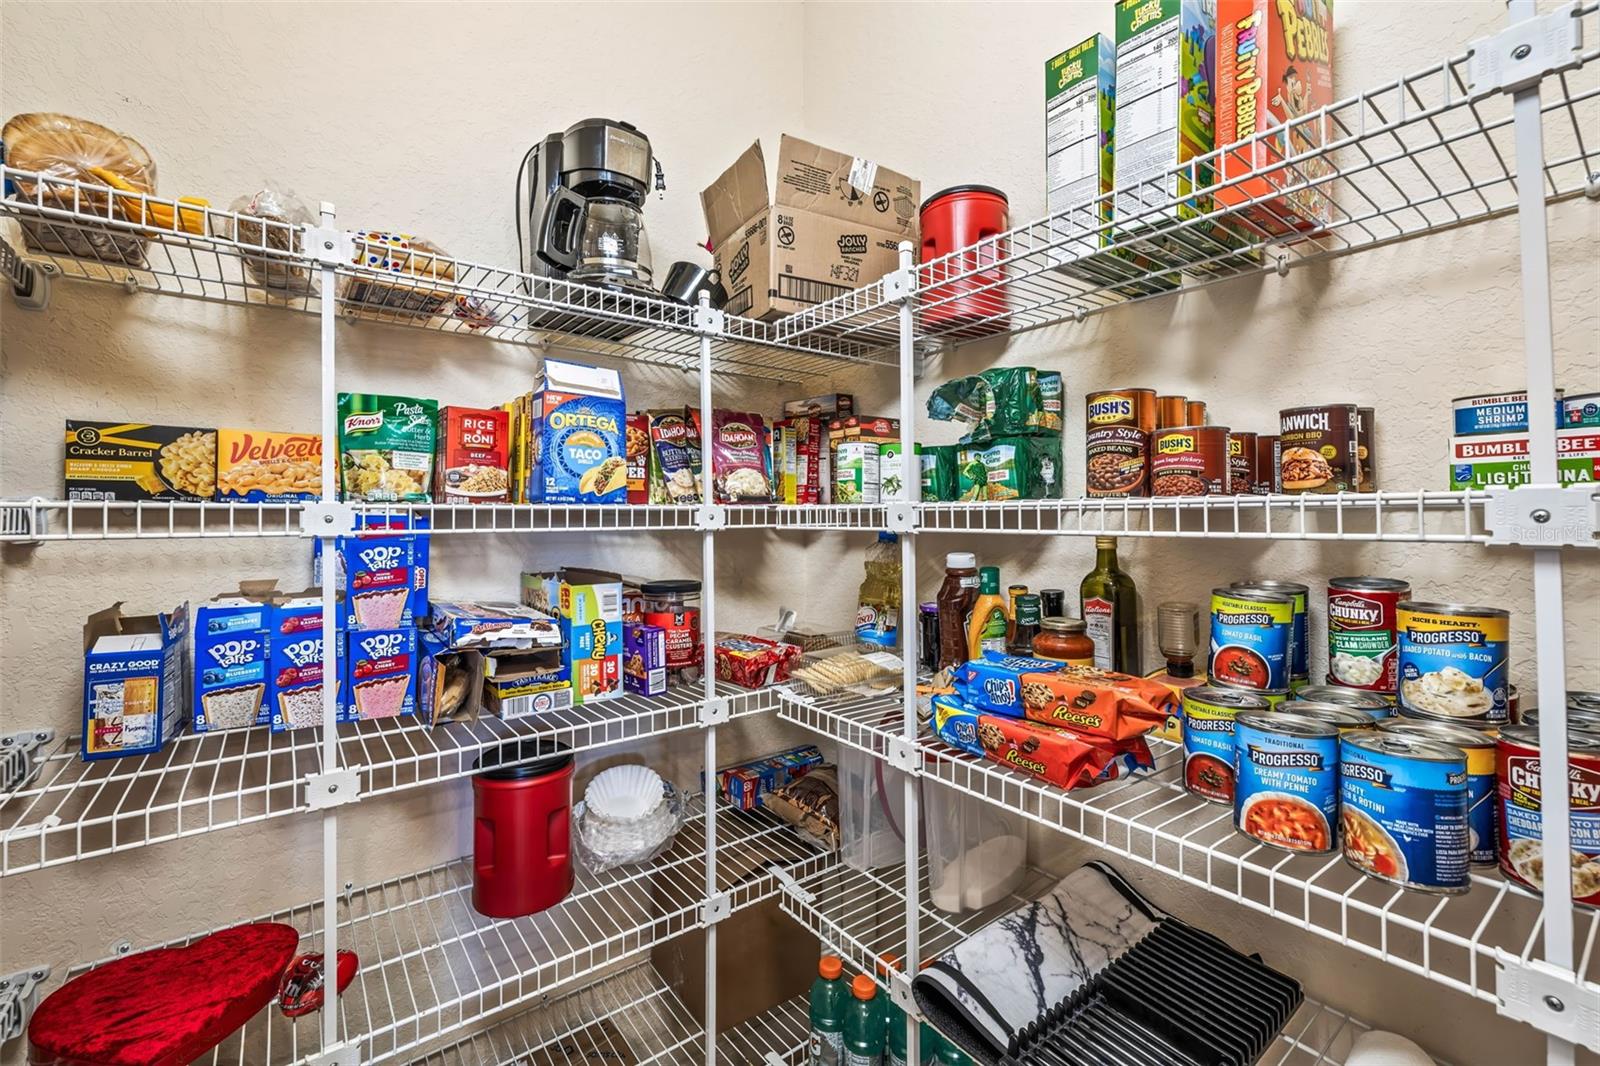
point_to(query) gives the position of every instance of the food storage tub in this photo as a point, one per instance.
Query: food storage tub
(977, 853)
(872, 805)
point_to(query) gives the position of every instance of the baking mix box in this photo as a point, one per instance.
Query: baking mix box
(1079, 109)
(380, 672)
(297, 663)
(587, 605)
(383, 576)
(577, 441)
(523, 683)
(262, 466)
(139, 461)
(644, 659)
(1490, 460)
(134, 673)
(233, 658)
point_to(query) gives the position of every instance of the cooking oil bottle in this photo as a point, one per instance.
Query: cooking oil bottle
(878, 607)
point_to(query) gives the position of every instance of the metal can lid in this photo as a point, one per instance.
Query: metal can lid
(1467, 609)
(1345, 717)
(1459, 735)
(1239, 699)
(1369, 584)
(1288, 724)
(1410, 747)
(1579, 739)
(1363, 698)
(1256, 592)
(1058, 624)
(1274, 585)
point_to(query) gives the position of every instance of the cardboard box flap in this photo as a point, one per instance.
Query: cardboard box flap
(850, 188)
(111, 622)
(561, 376)
(737, 196)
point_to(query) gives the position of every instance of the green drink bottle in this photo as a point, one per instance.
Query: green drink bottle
(863, 1024)
(828, 996)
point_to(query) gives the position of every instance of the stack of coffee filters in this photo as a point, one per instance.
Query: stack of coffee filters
(628, 814)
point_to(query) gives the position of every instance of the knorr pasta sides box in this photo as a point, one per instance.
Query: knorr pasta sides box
(1079, 109)
(386, 447)
(1274, 65)
(577, 443)
(259, 466)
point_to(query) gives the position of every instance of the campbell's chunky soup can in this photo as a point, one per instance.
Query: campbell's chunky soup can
(1286, 788)
(1252, 635)
(1452, 662)
(1300, 635)
(1403, 810)
(1208, 717)
(1521, 802)
(1364, 633)
(1478, 748)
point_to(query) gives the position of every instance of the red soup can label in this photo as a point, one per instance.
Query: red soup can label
(1363, 632)
(1519, 779)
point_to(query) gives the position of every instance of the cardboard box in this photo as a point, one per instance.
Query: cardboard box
(473, 464)
(232, 658)
(577, 451)
(744, 785)
(139, 461)
(879, 431)
(835, 224)
(488, 625)
(1079, 109)
(262, 466)
(1487, 460)
(449, 681)
(382, 577)
(298, 663)
(519, 684)
(828, 406)
(587, 604)
(380, 672)
(644, 659)
(133, 681)
(637, 445)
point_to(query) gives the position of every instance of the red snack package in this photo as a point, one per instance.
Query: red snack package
(754, 662)
(1059, 756)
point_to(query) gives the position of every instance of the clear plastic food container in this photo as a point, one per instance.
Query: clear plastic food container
(977, 853)
(872, 806)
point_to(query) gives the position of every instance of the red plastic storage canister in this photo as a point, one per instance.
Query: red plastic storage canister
(522, 808)
(954, 220)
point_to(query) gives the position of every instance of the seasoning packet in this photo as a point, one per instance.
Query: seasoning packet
(674, 456)
(1059, 756)
(739, 457)
(938, 462)
(1102, 703)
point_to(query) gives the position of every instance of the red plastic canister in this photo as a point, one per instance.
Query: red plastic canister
(522, 807)
(963, 219)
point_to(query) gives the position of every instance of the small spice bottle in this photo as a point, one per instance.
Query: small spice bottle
(1025, 628)
(1065, 640)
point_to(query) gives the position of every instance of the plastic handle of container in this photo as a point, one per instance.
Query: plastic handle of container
(560, 228)
(483, 847)
(560, 833)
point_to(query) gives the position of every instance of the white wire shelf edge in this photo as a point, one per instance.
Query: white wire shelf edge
(431, 964)
(1152, 820)
(1421, 154)
(204, 782)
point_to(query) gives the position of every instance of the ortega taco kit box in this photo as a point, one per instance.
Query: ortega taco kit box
(577, 444)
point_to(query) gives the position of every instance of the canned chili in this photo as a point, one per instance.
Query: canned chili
(1479, 751)
(1119, 423)
(1190, 461)
(1242, 461)
(1287, 788)
(1208, 717)
(1364, 632)
(1403, 810)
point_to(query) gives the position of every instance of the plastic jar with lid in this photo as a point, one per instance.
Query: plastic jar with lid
(1065, 640)
(674, 606)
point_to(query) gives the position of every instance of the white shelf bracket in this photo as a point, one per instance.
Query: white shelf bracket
(23, 522)
(716, 908)
(901, 755)
(710, 321)
(900, 992)
(900, 517)
(710, 517)
(19, 995)
(333, 789)
(1522, 55)
(716, 711)
(899, 284)
(1548, 998)
(324, 519)
(328, 246)
(344, 1054)
(791, 887)
(17, 766)
(1544, 516)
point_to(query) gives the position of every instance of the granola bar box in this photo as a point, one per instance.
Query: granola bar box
(139, 461)
(134, 669)
(233, 658)
(474, 455)
(746, 783)
(386, 447)
(260, 466)
(644, 659)
(380, 672)
(576, 436)
(297, 663)
(587, 605)
(382, 574)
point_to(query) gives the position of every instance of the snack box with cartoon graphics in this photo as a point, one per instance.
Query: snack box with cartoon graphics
(383, 576)
(588, 606)
(644, 665)
(139, 461)
(523, 683)
(297, 663)
(577, 450)
(257, 466)
(133, 681)
(487, 625)
(380, 672)
(233, 658)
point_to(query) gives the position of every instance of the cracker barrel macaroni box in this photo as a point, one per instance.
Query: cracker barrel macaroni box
(232, 658)
(139, 461)
(133, 681)
(263, 467)
(577, 444)
(297, 663)
(588, 606)
(380, 672)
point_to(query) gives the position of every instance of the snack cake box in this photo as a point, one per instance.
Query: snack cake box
(380, 672)
(233, 658)
(523, 683)
(383, 577)
(134, 671)
(297, 663)
(588, 606)
(576, 436)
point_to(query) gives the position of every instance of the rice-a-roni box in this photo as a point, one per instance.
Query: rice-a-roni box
(380, 672)
(297, 663)
(232, 658)
(133, 681)
(383, 575)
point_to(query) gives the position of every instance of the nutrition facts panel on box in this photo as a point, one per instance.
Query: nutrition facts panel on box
(1147, 111)
(1072, 146)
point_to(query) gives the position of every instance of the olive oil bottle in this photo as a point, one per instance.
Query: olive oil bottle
(1109, 603)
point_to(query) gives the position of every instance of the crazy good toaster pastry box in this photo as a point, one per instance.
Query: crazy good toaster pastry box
(835, 224)
(577, 446)
(133, 681)
(232, 658)
(588, 606)
(297, 663)
(383, 576)
(380, 672)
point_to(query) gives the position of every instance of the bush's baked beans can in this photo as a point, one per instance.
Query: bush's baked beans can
(1208, 716)
(1242, 462)
(1266, 465)
(1365, 418)
(1118, 424)
(1403, 810)
(1520, 805)
(1190, 461)
(1286, 789)
(1300, 635)
(1196, 410)
(1452, 661)
(1172, 411)
(1478, 748)
(1344, 719)
(1364, 632)
(1374, 703)
(1317, 448)
(1251, 636)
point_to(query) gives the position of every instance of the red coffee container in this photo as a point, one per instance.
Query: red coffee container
(954, 221)
(522, 808)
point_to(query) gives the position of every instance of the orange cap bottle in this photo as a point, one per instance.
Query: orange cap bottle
(863, 987)
(830, 967)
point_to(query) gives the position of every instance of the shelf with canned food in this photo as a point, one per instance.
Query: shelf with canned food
(430, 963)
(1428, 152)
(72, 810)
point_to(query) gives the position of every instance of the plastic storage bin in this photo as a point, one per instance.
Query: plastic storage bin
(977, 853)
(872, 807)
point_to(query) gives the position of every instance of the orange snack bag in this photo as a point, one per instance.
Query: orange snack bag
(1101, 703)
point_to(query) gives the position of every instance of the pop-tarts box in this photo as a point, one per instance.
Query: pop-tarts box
(384, 577)
(380, 672)
(232, 658)
(587, 605)
(297, 663)
(578, 436)
(134, 674)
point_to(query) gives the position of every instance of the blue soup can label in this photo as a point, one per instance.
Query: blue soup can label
(1403, 810)
(1252, 636)
(1286, 788)
(1453, 662)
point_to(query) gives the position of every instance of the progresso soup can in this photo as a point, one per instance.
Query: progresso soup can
(1521, 805)
(1479, 751)
(1453, 662)
(1208, 716)
(1363, 632)
(1374, 703)
(1300, 634)
(1251, 638)
(1335, 714)
(1286, 790)
(1403, 810)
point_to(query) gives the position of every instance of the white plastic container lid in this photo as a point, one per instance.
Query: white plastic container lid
(961, 561)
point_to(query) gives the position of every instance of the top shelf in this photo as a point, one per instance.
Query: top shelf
(1424, 154)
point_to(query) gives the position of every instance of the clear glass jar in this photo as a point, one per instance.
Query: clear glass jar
(674, 606)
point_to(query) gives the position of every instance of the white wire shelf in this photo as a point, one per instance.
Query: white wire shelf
(1152, 820)
(75, 230)
(1422, 154)
(432, 966)
(203, 782)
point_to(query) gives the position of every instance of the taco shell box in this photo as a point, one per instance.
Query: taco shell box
(134, 681)
(576, 436)
(139, 461)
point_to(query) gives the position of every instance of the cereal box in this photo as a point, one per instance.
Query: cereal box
(576, 436)
(1079, 102)
(386, 447)
(474, 463)
(644, 659)
(297, 663)
(383, 577)
(519, 684)
(232, 658)
(1274, 66)
(133, 681)
(380, 672)
(588, 606)
(265, 467)
(139, 461)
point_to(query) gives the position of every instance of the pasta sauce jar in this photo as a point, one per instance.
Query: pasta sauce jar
(1286, 789)
(1064, 640)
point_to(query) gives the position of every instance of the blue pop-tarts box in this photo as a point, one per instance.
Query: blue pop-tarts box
(384, 577)
(233, 658)
(380, 672)
(134, 673)
(297, 663)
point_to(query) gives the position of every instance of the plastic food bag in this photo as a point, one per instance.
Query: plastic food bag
(282, 215)
(76, 149)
